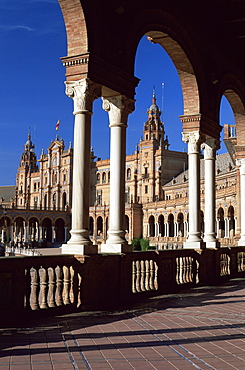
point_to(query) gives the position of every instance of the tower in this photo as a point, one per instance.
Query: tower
(28, 165)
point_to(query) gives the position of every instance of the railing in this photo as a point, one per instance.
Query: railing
(13, 251)
(51, 284)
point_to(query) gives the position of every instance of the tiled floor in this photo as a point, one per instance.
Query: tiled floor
(202, 329)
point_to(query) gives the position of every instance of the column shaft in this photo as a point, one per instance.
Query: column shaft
(209, 160)
(194, 238)
(83, 93)
(118, 108)
(241, 163)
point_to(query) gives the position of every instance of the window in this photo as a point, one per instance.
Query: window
(103, 177)
(128, 174)
(99, 198)
(64, 177)
(146, 189)
(35, 186)
(98, 178)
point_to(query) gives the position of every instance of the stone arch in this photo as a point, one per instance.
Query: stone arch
(47, 230)
(91, 226)
(231, 220)
(171, 224)
(161, 225)
(59, 230)
(75, 23)
(180, 220)
(64, 200)
(99, 226)
(151, 226)
(221, 222)
(33, 229)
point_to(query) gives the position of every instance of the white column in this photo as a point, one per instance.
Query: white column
(156, 229)
(210, 147)
(83, 93)
(53, 233)
(25, 233)
(11, 233)
(241, 164)
(226, 227)
(194, 238)
(166, 229)
(40, 233)
(65, 234)
(118, 108)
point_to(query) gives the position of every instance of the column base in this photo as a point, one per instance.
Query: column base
(116, 248)
(194, 245)
(79, 249)
(241, 243)
(213, 244)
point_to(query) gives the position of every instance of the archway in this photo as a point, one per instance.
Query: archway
(221, 223)
(231, 222)
(47, 230)
(161, 225)
(171, 225)
(151, 223)
(59, 230)
(33, 230)
(99, 226)
(180, 220)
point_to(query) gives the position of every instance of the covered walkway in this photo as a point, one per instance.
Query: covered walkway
(203, 328)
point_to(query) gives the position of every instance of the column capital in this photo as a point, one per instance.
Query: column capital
(194, 140)
(210, 146)
(83, 93)
(118, 108)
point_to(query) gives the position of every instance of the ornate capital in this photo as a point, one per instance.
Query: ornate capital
(118, 108)
(83, 93)
(194, 140)
(210, 146)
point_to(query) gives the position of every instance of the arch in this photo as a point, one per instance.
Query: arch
(151, 226)
(91, 226)
(180, 220)
(75, 25)
(47, 230)
(231, 219)
(221, 223)
(19, 224)
(103, 177)
(161, 225)
(64, 200)
(99, 226)
(59, 230)
(128, 175)
(171, 225)
(33, 229)
(54, 201)
(127, 224)
(45, 201)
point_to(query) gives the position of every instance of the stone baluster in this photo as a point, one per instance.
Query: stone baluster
(35, 288)
(147, 275)
(133, 277)
(142, 276)
(137, 283)
(52, 287)
(59, 286)
(67, 284)
(43, 288)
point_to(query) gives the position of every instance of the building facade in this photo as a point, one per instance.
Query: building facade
(39, 207)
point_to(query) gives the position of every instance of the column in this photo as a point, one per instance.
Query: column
(65, 236)
(241, 164)
(83, 93)
(156, 229)
(194, 236)
(11, 233)
(53, 234)
(118, 108)
(210, 146)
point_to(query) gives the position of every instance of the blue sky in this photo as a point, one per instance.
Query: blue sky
(32, 91)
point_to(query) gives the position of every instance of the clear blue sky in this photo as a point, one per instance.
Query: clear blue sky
(32, 39)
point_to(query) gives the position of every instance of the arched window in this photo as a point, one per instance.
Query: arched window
(180, 220)
(231, 219)
(151, 226)
(161, 225)
(64, 202)
(98, 178)
(54, 201)
(171, 225)
(221, 223)
(128, 174)
(103, 177)
(99, 226)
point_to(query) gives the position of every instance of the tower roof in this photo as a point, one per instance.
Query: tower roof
(154, 107)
